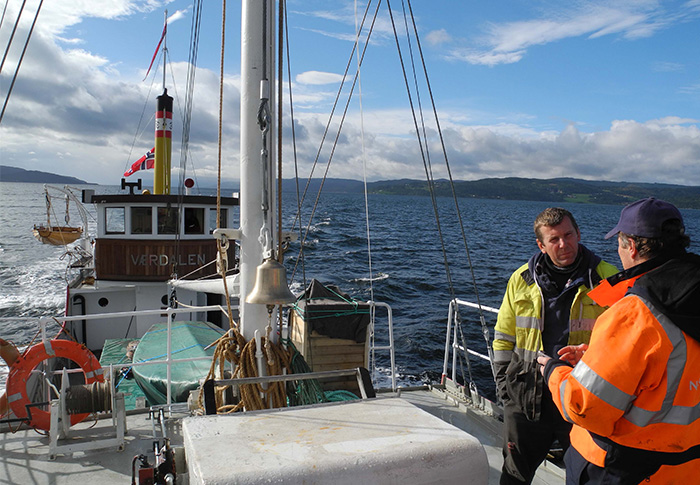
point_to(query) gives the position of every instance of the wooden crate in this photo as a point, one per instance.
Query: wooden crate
(325, 353)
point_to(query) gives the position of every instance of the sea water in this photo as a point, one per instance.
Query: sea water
(409, 269)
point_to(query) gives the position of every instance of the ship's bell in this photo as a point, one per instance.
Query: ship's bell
(271, 285)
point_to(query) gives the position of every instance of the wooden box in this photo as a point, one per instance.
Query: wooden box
(324, 353)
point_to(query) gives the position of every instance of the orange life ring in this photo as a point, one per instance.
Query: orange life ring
(24, 365)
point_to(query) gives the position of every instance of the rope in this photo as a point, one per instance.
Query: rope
(233, 348)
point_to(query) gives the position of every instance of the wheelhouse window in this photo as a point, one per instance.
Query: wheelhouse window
(114, 220)
(141, 220)
(167, 220)
(222, 219)
(194, 220)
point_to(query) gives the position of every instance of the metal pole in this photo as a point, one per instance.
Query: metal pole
(257, 71)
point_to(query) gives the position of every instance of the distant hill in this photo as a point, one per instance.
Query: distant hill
(14, 174)
(513, 188)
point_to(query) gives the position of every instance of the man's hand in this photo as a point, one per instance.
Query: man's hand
(572, 353)
(542, 359)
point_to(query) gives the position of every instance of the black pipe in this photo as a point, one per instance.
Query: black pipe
(80, 299)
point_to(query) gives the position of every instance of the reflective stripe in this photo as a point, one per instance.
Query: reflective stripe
(527, 322)
(527, 355)
(564, 410)
(502, 355)
(503, 336)
(14, 397)
(601, 388)
(682, 415)
(49, 348)
(668, 413)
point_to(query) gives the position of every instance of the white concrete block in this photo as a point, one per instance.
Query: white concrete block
(377, 441)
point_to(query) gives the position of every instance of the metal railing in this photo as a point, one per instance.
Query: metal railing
(390, 334)
(452, 344)
(168, 361)
(170, 312)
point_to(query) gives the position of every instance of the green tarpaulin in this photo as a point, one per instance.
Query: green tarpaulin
(114, 352)
(188, 340)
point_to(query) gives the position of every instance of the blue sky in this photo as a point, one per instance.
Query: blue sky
(606, 90)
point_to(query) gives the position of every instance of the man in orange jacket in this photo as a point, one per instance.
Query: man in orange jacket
(633, 394)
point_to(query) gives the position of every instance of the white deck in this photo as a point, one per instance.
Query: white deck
(24, 455)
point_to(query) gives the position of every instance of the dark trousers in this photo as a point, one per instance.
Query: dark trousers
(526, 443)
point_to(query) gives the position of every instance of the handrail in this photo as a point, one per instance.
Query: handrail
(453, 343)
(390, 347)
(170, 312)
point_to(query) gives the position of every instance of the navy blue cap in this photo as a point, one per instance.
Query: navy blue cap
(645, 218)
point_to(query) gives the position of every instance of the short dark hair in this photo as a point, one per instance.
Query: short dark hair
(673, 239)
(550, 217)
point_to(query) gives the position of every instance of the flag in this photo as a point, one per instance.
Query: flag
(162, 36)
(143, 163)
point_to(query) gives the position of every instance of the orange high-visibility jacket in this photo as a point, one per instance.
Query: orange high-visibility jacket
(638, 384)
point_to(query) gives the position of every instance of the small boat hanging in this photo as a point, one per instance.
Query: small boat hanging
(59, 235)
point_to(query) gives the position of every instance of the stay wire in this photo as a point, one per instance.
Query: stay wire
(12, 35)
(21, 58)
(482, 319)
(427, 168)
(364, 180)
(294, 145)
(330, 118)
(280, 89)
(340, 126)
(4, 10)
(195, 28)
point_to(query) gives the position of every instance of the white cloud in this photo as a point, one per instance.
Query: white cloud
(318, 78)
(507, 42)
(438, 37)
(81, 120)
(627, 151)
(665, 66)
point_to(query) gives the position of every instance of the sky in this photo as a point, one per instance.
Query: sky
(599, 90)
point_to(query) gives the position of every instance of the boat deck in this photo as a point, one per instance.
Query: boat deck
(484, 428)
(24, 455)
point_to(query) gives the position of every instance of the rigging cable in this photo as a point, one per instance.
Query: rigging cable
(364, 180)
(14, 30)
(186, 117)
(458, 320)
(280, 73)
(222, 245)
(342, 121)
(482, 319)
(423, 145)
(189, 89)
(4, 9)
(21, 58)
(294, 147)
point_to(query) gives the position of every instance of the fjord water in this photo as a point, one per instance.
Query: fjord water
(408, 268)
